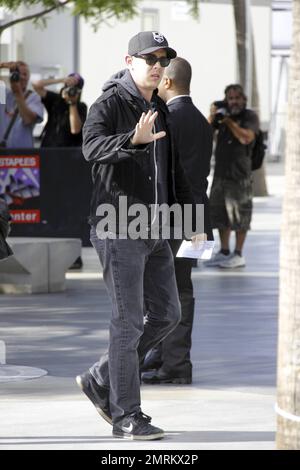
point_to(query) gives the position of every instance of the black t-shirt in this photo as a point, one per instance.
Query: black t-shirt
(57, 132)
(233, 159)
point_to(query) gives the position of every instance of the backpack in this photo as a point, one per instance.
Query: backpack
(258, 151)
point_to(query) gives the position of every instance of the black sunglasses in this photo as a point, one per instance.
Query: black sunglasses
(151, 59)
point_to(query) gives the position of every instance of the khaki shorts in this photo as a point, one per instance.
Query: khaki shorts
(231, 204)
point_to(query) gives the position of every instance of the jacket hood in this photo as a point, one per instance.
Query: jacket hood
(124, 79)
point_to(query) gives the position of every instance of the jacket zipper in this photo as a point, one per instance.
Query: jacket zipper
(155, 182)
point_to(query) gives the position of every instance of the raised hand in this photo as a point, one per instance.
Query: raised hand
(70, 81)
(144, 129)
(8, 65)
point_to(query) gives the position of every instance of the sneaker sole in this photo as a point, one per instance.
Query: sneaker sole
(132, 437)
(175, 381)
(213, 265)
(232, 267)
(99, 410)
(154, 367)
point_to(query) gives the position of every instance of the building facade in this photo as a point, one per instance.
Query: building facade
(208, 43)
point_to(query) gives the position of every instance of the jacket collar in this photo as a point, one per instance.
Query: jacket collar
(179, 98)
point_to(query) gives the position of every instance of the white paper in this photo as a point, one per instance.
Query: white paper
(201, 250)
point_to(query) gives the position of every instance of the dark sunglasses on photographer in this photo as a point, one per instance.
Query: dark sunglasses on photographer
(151, 59)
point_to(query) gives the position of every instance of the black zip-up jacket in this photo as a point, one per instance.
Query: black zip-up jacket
(119, 168)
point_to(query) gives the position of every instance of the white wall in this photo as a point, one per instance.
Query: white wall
(102, 54)
(50, 46)
(42, 47)
(208, 43)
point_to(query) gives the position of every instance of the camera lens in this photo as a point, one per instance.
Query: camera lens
(72, 91)
(14, 76)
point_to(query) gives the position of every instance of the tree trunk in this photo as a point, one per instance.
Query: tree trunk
(259, 176)
(240, 13)
(288, 373)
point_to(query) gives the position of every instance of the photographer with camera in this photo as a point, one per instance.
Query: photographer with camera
(22, 108)
(66, 113)
(231, 193)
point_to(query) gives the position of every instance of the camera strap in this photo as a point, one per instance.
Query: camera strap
(12, 121)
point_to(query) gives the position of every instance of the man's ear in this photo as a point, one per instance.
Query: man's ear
(128, 60)
(167, 82)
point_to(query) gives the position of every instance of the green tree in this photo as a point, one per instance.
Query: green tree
(95, 11)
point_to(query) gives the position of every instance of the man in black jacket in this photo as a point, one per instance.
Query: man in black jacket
(170, 361)
(66, 111)
(127, 140)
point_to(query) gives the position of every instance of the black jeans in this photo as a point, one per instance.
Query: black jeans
(140, 279)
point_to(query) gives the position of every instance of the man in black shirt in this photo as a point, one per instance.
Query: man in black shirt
(66, 113)
(231, 192)
(66, 116)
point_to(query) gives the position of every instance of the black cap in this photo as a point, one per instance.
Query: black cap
(149, 41)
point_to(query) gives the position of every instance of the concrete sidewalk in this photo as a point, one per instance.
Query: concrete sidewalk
(230, 404)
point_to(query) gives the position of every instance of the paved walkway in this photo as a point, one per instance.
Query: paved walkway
(230, 404)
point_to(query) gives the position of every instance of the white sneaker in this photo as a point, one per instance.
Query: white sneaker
(235, 261)
(217, 259)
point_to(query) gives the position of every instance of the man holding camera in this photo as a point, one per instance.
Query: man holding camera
(66, 113)
(66, 116)
(231, 192)
(22, 108)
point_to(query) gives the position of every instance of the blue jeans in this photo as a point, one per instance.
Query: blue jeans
(140, 279)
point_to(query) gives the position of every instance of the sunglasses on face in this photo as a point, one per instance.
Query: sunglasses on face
(151, 59)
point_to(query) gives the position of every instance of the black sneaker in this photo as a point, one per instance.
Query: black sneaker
(158, 377)
(98, 395)
(137, 427)
(78, 263)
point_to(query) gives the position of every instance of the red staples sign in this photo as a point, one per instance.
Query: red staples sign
(20, 186)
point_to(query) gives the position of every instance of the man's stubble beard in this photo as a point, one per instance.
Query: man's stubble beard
(236, 110)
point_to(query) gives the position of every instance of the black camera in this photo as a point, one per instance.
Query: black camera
(72, 91)
(14, 75)
(222, 111)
